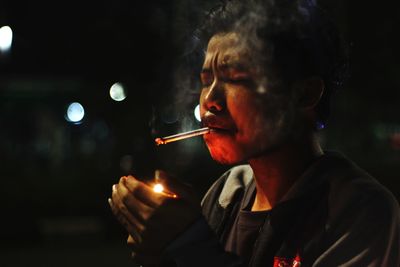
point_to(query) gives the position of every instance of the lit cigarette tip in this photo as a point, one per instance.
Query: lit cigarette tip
(159, 141)
(181, 136)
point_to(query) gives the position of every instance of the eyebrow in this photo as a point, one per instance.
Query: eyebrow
(232, 65)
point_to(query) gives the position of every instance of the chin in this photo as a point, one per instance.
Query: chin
(231, 152)
(225, 153)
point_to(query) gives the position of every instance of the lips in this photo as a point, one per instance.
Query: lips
(220, 131)
(218, 125)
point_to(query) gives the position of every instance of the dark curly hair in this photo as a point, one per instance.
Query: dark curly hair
(296, 40)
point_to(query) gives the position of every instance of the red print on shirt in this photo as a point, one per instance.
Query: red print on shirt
(287, 262)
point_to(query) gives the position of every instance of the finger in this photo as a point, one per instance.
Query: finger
(141, 255)
(116, 200)
(120, 207)
(139, 209)
(123, 220)
(129, 227)
(113, 209)
(132, 243)
(144, 192)
(130, 222)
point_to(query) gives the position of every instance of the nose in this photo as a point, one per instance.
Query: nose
(213, 98)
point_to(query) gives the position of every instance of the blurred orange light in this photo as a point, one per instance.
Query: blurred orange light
(158, 188)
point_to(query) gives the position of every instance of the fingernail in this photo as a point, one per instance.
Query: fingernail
(114, 187)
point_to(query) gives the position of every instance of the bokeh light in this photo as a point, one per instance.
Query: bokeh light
(197, 113)
(117, 92)
(75, 112)
(6, 36)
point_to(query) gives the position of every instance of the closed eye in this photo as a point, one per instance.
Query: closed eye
(206, 78)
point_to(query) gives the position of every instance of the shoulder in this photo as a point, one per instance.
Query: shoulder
(226, 187)
(363, 224)
(354, 195)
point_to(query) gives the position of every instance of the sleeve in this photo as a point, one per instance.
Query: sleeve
(198, 246)
(366, 236)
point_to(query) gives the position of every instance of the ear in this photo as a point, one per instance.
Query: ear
(309, 91)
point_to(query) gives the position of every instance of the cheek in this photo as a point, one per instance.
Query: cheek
(201, 103)
(246, 109)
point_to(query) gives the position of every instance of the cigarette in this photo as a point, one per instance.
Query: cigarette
(181, 136)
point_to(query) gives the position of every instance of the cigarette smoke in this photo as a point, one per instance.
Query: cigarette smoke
(301, 46)
(247, 25)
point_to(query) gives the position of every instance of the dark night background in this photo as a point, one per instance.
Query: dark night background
(55, 176)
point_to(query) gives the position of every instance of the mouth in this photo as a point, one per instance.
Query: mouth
(218, 126)
(220, 129)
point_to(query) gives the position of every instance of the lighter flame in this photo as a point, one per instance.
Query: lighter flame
(158, 188)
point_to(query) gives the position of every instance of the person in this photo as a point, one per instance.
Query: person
(269, 73)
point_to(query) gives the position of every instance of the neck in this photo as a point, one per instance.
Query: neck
(275, 172)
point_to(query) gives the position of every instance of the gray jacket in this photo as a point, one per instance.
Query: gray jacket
(334, 215)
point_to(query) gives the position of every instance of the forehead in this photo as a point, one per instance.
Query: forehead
(223, 41)
(227, 47)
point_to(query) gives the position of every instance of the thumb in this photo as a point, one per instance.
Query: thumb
(173, 185)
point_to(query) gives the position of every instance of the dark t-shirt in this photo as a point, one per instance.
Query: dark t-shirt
(246, 227)
(334, 215)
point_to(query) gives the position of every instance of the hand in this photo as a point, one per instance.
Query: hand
(152, 219)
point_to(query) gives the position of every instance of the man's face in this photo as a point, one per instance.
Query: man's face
(248, 119)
